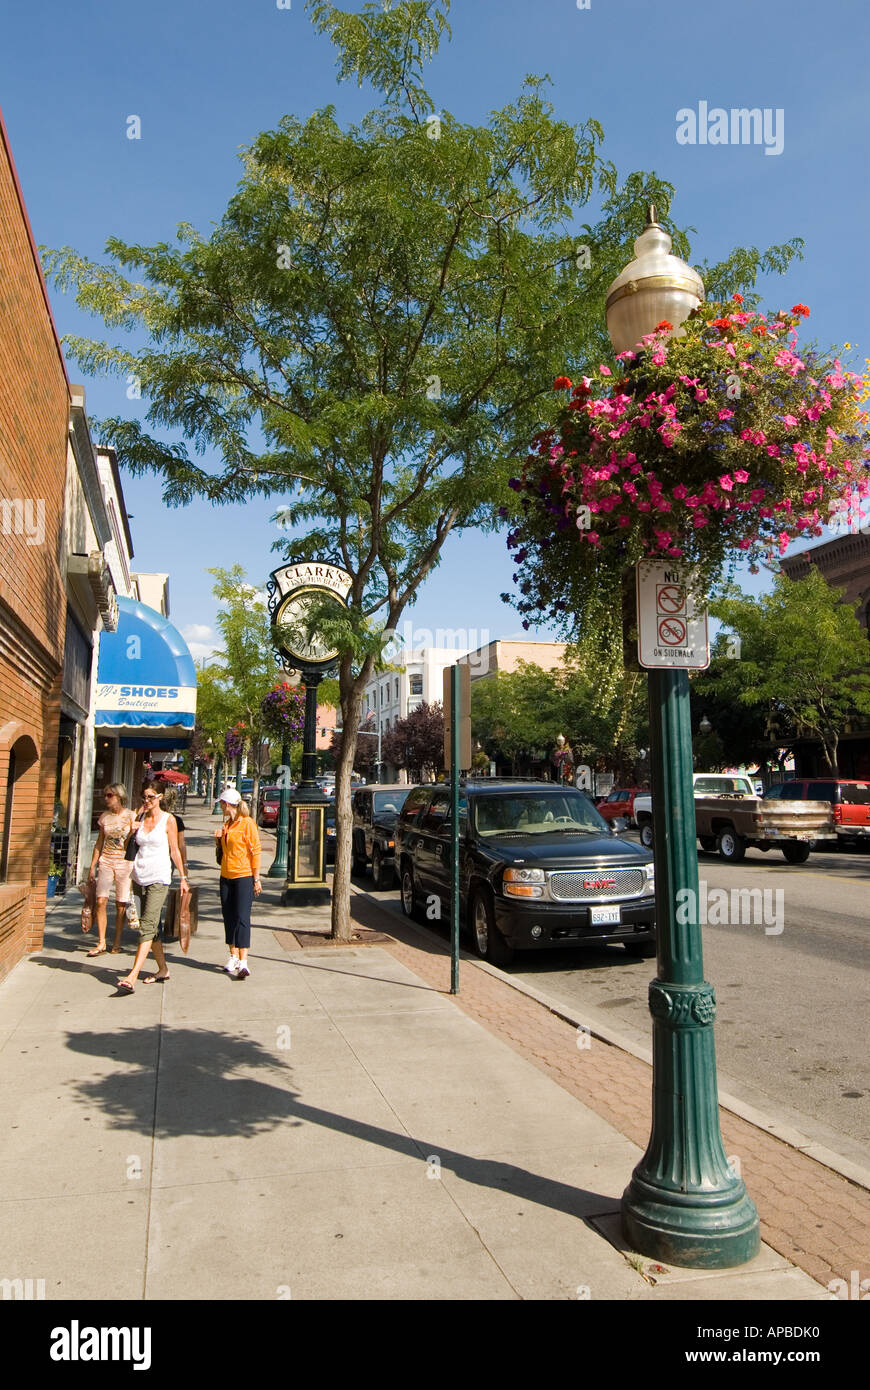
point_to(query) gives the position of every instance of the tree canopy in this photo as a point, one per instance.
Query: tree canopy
(804, 661)
(370, 333)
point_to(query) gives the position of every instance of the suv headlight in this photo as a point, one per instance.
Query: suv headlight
(650, 873)
(524, 883)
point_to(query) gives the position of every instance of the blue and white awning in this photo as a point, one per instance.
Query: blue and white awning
(146, 679)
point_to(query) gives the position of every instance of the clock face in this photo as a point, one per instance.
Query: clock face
(293, 611)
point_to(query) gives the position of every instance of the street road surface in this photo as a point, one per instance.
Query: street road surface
(793, 1017)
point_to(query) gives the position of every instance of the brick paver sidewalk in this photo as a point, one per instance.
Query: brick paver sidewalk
(815, 1218)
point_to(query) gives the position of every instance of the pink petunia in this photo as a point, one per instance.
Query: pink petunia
(726, 482)
(605, 371)
(726, 414)
(699, 520)
(680, 492)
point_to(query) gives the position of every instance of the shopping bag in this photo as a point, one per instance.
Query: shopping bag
(88, 890)
(173, 926)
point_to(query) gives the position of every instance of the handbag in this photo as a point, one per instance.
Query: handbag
(218, 851)
(132, 849)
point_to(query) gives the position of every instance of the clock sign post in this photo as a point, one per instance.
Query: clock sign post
(293, 591)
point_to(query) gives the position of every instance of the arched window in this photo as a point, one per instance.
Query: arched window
(7, 817)
(15, 836)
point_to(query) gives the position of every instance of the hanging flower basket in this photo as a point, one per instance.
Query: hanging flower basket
(283, 712)
(723, 443)
(234, 741)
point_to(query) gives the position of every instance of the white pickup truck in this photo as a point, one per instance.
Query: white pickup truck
(730, 818)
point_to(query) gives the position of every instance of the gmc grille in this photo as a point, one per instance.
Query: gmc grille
(568, 887)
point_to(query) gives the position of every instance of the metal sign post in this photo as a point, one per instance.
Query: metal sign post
(454, 821)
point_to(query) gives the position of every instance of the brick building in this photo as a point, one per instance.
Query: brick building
(34, 420)
(845, 564)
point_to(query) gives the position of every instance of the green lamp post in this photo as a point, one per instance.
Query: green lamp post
(278, 867)
(684, 1204)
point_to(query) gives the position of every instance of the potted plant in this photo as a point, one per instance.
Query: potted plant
(54, 872)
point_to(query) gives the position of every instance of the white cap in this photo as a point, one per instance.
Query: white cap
(230, 796)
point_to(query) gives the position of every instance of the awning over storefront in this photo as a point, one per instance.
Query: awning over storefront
(146, 680)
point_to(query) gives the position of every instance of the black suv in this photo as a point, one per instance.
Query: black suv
(538, 866)
(374, 817)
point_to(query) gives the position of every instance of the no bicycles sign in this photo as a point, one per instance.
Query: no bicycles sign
(671, 630)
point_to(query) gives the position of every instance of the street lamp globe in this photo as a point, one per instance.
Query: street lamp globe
(655, 286)
(705, 726)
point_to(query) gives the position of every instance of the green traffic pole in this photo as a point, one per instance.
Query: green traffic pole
(683, 1204)
(454, 835)
(278, 867)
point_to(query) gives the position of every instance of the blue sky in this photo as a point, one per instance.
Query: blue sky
(205, 76)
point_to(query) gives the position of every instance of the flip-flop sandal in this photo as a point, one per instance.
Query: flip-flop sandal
(155, 979)
(97, 951)
(115, 951)
(125, 988)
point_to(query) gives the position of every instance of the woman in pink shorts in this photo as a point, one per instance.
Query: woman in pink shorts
(109, 866)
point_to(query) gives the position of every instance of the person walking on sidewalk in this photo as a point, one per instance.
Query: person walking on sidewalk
(157, 841)
(238, 847)
(109, 866)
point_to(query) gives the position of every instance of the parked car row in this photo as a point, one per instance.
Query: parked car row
(538, 868)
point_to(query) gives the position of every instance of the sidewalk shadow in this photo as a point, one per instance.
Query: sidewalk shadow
(204, 1100)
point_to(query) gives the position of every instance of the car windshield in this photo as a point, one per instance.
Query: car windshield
(716, 786)
(390, 803)
(536, 813)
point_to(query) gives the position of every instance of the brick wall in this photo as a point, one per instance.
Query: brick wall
(34, 416)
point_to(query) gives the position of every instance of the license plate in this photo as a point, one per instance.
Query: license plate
(605, 916)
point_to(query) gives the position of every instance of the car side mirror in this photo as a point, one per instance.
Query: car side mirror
(617, 825)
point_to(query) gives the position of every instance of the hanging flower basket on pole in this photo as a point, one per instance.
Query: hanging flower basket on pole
(721, 443)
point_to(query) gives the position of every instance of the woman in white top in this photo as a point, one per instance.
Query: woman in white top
(157, 841)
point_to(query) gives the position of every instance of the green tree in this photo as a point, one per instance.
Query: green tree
(803, 656)
(249, 668)
(385, 306)
(216, 712)
(416, 743)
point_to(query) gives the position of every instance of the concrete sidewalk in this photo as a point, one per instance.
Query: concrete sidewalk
(333, 1127)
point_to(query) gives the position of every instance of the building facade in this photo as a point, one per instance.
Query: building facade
(34, 421)
(845, 564)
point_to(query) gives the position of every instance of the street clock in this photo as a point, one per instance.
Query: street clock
(294, 590)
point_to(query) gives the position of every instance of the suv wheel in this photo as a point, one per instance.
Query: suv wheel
(646, 834)
(359, 865)
(408, 894)
(488, 941)
(731, 845)
(797, 853)
(381, 877)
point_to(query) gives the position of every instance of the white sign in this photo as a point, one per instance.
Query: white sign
(671, 629)
(157, 699)
(312, 574)
(583, 777)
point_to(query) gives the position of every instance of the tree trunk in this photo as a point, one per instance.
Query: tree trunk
(351, 710)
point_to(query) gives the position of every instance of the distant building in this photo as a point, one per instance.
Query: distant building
(506, 653)
(394, 694)
(845, 564)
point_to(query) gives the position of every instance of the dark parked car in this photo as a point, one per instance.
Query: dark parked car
(850, 803)
(374, 817)
(538, 867)
(330, 834)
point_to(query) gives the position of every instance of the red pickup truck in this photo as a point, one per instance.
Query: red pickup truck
(850, 803)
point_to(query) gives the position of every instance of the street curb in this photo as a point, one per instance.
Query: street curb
(845, 1167)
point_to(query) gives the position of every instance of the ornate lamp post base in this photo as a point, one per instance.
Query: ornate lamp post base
(684, 1203)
